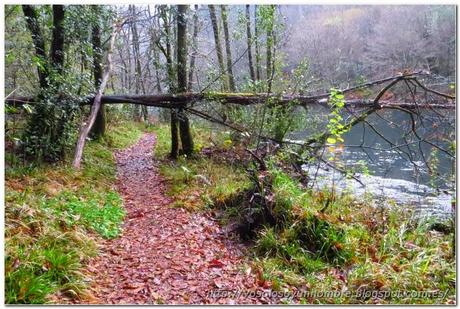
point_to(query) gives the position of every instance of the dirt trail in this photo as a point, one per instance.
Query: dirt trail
(165, 255)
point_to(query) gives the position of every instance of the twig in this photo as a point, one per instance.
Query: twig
(432, 91)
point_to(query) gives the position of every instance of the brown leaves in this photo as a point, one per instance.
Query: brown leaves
(165, 255)
(216, 263)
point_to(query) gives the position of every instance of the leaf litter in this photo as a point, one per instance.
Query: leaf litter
(164, 254)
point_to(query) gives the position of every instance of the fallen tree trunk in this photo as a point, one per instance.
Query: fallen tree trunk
(85, 129)
(181, 100)
(188, 99)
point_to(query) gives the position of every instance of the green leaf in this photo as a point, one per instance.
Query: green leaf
(331, 140)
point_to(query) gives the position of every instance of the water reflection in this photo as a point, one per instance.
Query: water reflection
(391, 162)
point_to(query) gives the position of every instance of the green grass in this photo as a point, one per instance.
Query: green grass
(200, 182)
(346, 246)
(54, 217)
(353, 246)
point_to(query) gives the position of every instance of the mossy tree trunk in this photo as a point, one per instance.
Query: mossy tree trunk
(184, 126)
(33, 25)
(57, 44)
(44, 135)
(249, 42)
(228, 50)
(136, 60)
(217, 39)
(98, 129)
(270, 44)
(166, 50)
(256, 43)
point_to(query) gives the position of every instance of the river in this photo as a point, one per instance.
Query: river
(392, 175)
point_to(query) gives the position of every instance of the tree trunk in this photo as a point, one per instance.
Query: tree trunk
(96, 104)
(99, 125)
(184, 127)
(156, 65)
(220, 59)
(194, 46)
(171, 88)
(163, 114)
(174, 135)
(231, 79)
(270, 45)
(137, 65)
(140, 85)
(42, 127)
(57, 45)
(256, 41)
(37, 38)
(249, 40)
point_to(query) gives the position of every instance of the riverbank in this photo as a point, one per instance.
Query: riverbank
(312, 246)
(323, 241)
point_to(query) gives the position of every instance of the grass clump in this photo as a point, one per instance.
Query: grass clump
(104, 219)
(330, 242)
(54, 216)
(202, 181)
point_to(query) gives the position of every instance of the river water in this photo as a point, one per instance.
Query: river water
(388, 174)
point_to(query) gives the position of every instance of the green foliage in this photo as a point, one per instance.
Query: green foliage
(51, 128)
(336, 125)
(266, 17)
(104, 219)
(300, 223)
(200, 182)
(300, 78)
(283, 119)
(53, 216)
(53, 121)
(381, 249)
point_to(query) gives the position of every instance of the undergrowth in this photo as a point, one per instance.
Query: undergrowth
(202, 181)
(54, 216)
(365, 254)
(322, 242)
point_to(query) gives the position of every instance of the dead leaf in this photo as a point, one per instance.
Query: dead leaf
(216, 263)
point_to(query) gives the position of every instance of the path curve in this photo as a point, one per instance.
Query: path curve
(165, 255)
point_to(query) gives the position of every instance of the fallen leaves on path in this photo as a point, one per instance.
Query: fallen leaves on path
(166, 255)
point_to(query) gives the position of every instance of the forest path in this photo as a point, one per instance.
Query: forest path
(165, 255)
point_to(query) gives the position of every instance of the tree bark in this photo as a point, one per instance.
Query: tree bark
(171, 87)
(85, 129)
(57, 45)
(249, 41)
(269, 50)
(99, 125)
(174, 134)
(184, 126)
(140, 86)
(194, 53)
(174, 101)
(256, 41)
(37, 38)
(220, 59)
(137, 66)
(228, 50)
